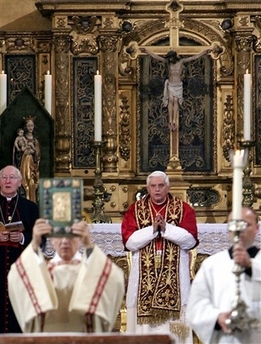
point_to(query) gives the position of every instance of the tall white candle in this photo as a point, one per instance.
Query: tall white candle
(247, 106)
(3, 91)
(238, 166)
(97, 107)
(48, 92)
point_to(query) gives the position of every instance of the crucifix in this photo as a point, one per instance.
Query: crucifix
(173, 87)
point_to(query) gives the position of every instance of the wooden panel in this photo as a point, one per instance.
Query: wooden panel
(80, 338)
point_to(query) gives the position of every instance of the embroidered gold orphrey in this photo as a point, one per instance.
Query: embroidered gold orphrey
(159, 289)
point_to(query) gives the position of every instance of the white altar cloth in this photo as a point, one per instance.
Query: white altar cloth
(213, 237)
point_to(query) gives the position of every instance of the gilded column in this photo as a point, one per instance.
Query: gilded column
(62, 42)
(108, 45)
(243, 39)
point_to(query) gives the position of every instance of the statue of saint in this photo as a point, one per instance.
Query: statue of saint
(19, 147)
(173, 88)
(26, 157)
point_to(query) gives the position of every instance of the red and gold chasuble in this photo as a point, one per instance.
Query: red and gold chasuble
(159, 285)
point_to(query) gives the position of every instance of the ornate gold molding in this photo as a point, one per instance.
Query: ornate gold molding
(243, 46)
(124, 129)
(228, 128)
(63, 128)
(84, 35)
(108, 44)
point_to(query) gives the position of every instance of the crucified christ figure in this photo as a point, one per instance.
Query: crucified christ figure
(173, 88)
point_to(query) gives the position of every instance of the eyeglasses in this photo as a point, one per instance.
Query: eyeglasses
(11, 178)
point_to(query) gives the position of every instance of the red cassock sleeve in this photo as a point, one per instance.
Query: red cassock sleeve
(128, 225)
(188, 221)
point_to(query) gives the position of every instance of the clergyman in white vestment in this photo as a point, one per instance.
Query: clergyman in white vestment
(70, 293)
(213, 290)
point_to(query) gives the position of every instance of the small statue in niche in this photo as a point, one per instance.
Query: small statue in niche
(173, 87)
(27, 159)
(19, 147)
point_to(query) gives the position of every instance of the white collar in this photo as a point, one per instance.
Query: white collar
(8, 198)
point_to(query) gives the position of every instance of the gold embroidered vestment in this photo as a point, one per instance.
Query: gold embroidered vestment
(159, 285)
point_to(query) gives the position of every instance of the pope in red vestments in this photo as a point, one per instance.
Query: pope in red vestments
(159, 230)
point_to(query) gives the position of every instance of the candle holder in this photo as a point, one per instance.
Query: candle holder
(98, 215)
(248, 192)
(239, 318)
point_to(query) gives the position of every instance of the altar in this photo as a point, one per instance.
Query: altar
(213, 237)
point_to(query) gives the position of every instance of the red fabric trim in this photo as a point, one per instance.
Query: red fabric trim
(9, 243)
(29, 288)
(89, 322)
(100, 287)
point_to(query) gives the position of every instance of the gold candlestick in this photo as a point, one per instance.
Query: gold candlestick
(98, 215)
(248, 192)
(239, 318)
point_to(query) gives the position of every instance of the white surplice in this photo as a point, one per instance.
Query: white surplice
(214, 290)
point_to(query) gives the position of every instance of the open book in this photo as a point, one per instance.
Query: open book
(12, 226)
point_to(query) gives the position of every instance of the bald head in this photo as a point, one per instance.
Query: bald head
(247, 237)
(245, 212)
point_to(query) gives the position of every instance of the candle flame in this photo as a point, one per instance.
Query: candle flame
(247, 71)
(48, 72)
(240, 152)
(3, 72)
(97, 72)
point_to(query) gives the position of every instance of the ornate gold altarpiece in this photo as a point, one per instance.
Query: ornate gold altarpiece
(79, 37)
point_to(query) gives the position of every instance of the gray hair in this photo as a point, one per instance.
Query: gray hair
(18, 173)
(158, 174)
